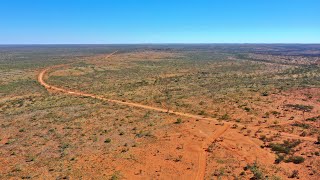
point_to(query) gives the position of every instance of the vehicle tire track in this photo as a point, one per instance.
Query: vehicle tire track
(132, 104)
(202, 157)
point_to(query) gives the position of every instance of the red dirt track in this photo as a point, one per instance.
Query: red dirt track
(209, 134)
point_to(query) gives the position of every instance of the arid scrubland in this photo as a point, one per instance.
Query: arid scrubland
(262, 104)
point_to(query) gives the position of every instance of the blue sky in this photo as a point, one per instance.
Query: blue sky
(159, 21)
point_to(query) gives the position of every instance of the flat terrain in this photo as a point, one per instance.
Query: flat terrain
(160, 112)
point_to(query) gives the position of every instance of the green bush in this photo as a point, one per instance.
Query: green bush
(179, 121)
(302, 125)
(201, 113)
(256, 171)
(295, 159)
(300, 107)
(225, 117)
(286, 147)
(247, 109)
(279, 158)
(275, 113)
(313, 119)
(279, 148)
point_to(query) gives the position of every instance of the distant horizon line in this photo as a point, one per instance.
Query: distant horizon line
(30, 44)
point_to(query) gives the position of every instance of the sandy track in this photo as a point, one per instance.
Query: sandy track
(132, 104)
(202, 154)
(188, 115)
(77, 93)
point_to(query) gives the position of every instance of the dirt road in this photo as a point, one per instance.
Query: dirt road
(201, 152)
(77, 93)
(132, 104)
(200, 174)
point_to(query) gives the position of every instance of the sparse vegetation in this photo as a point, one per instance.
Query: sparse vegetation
(256, 171)
(295, 159)
(115, 176)
(179, 121)
(253, 93)
(300, 107)
(313, 119)
(286, 147)
(294, 174)
(302, 125)
(108, 140)
(225, 117)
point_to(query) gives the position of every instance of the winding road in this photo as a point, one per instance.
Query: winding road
(78, 93)
(202, 154)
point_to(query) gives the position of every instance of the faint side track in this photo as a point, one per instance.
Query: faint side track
(202, 157)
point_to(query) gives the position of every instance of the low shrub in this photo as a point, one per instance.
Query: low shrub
(179, 121)
(225, 117)
(286, 147)
(108, 140)
(295, 159)
(302, 125)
